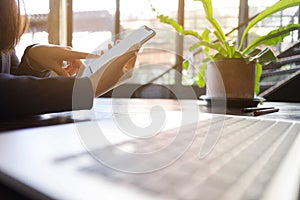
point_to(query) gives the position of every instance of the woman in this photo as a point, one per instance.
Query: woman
(25, 86)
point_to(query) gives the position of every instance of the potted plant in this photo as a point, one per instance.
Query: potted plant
(240, 67)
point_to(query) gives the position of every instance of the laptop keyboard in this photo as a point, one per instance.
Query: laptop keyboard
(240, 165)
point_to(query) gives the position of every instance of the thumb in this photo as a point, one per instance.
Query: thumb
(135, 47)
(123, 59)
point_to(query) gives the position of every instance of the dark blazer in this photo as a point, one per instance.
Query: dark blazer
(27, 92)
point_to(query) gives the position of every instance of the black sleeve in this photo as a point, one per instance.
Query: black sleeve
(23, 68)
(28, 95)
(14, 62)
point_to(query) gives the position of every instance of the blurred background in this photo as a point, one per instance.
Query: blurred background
(86, 24)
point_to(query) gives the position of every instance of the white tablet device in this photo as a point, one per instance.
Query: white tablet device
(139, 36)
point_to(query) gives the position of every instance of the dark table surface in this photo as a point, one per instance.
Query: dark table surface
(287, 111)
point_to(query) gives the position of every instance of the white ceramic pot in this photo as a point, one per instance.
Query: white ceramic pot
(230, 78)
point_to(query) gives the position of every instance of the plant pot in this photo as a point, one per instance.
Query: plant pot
(230, 79)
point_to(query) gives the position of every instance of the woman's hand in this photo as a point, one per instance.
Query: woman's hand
(52, 57)
(115, 72)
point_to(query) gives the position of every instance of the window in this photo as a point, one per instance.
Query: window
(284, 18)
(158, 54)
(276, 73)
(38, 27)
(93, 23)
(88, 26)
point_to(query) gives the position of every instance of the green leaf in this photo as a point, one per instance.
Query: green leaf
(170, 21)
(167, 20)
(267, 57)
(237, 54)
(218, 56)
(257, 78)
(205, 35)
(231, 50)
(279, 6)
(201, 75)
(273, 37)
(219, 31)
(207, 5)
(216, 47)
(264, 57)
(253, 52)
(186, 64)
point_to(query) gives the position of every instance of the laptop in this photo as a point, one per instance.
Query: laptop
(122, 151)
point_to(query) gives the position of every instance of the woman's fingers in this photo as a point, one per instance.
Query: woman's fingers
(51, 57)
(134, 47)
(60, 71)
(75, 68)
(70, 54)
(72, 71)
(130, 64)
(109, 46)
